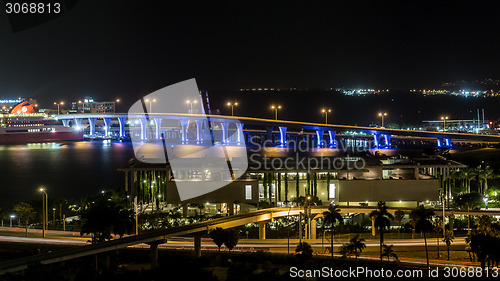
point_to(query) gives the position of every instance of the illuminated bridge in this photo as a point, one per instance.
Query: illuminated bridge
(189, 128)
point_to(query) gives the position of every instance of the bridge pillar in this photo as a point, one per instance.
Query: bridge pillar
(122, 120)
(376, 138)
(199, 130)
(439, 142)
(319, 137)
(184, 125)
(239, 131)
(269, 134)
(447, 142)
(331, 134)
(262, 230)
(92, 122)
(65, 122)
(78, 122)
(153, 246)
(197, 245)
(225, 132)
(157, 128)
(107, 126)
(282, 135)
(387, 139)
(185, 210)
(144, 126)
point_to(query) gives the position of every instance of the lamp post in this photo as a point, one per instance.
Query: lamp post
(53, 217)
(58, 104)
(117, 101)
(150, 104)
(44, 210)
(275, 108)
(83, 106)
(326, 111)
(444, 118)
(12, 217)
(232, 105)
(382, 115)
(191, 102)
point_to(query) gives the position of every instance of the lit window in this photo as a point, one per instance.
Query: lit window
(248, 192)
(331, 191)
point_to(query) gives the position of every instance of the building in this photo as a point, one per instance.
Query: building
(6, 105)
(89, 105)
(354, 181)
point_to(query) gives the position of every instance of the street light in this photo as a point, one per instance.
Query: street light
(326, 111)
(83, 106)
(275, 108)
(53, 217)
(12, 217)
(232, 105)
(382, 115)
(117, 101)
(444, 118)
(44, 210)
(58, 104)
(191, 102)
(150, 102)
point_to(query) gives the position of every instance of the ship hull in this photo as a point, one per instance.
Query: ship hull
(40, 137)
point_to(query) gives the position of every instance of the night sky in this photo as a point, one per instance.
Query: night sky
(122, 49)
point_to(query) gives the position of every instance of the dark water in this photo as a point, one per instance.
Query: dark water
(67, 169)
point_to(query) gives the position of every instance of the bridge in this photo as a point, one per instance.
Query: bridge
(236, 129)
(155, 238)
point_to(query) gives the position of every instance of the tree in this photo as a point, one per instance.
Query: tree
(356, 246)
(382, 221)
(279, 187)
(328, 179)
(467, 175)
(448, 239)
(232, 237)
(264, 185)
(218, 236)
(388, 252)
(286, 187)
(468, 201)
(304, 250)
(483, 176)
(437, 225)
(297, 186)
(421, 217)
(398, 217)
(330, 217)
(103, 218)
(25, 212)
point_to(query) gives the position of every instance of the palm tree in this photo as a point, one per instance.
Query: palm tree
(356, 246)
(421, 217)
(382, 221)
(437, 225)
(398, 217)
(218, 236)
(468, 175)
(330, 217)
(304, 249)
(389, 252)
(483, 176)
(448, 239)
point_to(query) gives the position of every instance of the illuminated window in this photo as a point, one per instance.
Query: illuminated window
(248, 192)
(331, 191)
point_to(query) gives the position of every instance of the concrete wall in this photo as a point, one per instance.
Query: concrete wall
(388, 190)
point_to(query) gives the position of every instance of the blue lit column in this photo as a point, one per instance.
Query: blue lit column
(239, 132)
(92, 126)
(319, 137)
(331, 134)
(144, 127)
(387, 139)
(439, 142)
(269, 135)
(157, 128)
(107, 126)
(78, 122)
(447, 142)
(184, 125)
(376, 138)
(283, 135)
(65, 122)
(122, 120)
(199, 131)
(225, 132)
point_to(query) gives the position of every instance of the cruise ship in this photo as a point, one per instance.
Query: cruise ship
(23, 124)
